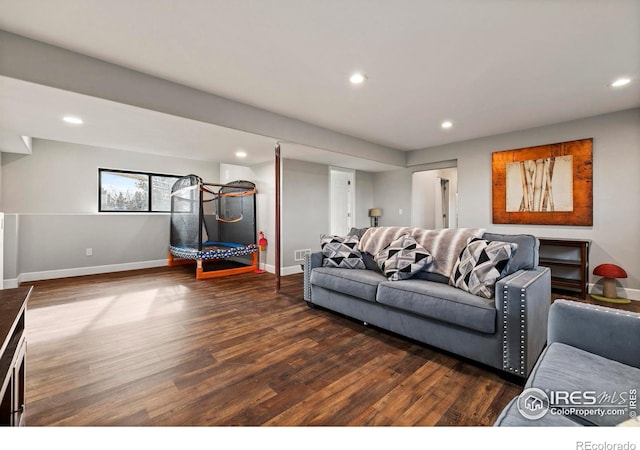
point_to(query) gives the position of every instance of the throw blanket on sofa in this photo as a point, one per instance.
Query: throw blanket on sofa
(444, 245)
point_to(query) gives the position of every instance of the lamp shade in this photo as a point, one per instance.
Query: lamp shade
(610, 271)
(375, 212)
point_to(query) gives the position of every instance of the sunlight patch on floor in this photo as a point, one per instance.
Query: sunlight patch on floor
(69, 319)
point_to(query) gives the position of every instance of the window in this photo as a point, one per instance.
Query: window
(125, 191)
(161, 192)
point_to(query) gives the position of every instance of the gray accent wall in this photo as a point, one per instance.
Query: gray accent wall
(616, 185)
(364, 198)
(305, 205)
(62, 178)
(392, 193)
(58, 241)
(51, 202)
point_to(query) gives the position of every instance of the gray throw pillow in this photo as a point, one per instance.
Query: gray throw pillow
(480, 264)
(341, 251)
(402, 258)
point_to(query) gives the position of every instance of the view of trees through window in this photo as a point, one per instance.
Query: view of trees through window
(134, 191)
(161, 192)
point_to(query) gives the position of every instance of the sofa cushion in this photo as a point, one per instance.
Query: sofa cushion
(431, 276)
(439, 301)
(402, 258)
(341, 251)
(526, 255)
(565, 368)
(480, 264)
(358, 283)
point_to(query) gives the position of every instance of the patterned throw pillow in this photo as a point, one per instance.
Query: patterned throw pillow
(480, 264)
(402, 258)
(341, 251)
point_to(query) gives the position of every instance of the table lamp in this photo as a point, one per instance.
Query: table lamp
(375, 214)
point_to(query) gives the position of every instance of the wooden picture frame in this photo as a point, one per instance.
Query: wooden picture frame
(544, 185)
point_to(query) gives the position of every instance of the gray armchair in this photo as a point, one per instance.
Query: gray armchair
(589, 373)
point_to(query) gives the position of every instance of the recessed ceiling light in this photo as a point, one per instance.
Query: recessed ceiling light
(620, 82)
(73, 120)
(241, 154)
(446, 124)
(357, 78)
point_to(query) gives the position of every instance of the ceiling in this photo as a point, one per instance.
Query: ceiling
(115, 125)
(490, 66)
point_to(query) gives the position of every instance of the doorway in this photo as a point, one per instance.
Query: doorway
(434, 198)
(341, 200)
(442, 203)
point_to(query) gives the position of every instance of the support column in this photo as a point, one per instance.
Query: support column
(278, 243)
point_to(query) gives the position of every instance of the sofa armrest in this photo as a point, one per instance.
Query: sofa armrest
(607, 332)
(522, 300)
(310, 262)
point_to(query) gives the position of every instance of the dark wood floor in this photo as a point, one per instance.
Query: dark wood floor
(157, 347)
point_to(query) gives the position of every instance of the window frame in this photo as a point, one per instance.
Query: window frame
(150, 176)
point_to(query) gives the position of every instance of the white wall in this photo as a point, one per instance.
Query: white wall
(423, 194)
(263, 175)
(51, 201)
(616, 185)
(1, 203)
(265, 179)
(233, 172)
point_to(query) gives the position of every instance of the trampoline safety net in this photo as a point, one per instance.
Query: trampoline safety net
(200, 215)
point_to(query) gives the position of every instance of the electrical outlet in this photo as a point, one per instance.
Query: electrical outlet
(400, 212)
(89, 252)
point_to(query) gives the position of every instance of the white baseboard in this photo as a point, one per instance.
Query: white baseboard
(11, 283)
(92, 270)
(268, 267)
(291, 270)
(284, 271)
(631, 294)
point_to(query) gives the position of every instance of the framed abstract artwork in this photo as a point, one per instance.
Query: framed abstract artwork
(544, 185)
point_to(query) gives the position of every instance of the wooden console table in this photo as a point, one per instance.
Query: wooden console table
(13, 308)
(568, 260)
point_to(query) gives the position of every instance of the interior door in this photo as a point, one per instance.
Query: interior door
(342, 201)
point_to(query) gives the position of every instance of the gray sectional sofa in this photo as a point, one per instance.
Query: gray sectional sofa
(588, 375)
(507, 332)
